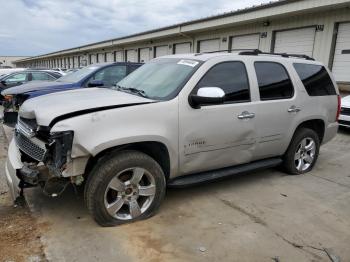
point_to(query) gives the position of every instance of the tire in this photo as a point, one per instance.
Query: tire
(293, 162)
(124, 187)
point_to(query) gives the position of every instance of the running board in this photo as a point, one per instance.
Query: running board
(199, 178)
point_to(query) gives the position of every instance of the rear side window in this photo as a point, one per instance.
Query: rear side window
(230, 77)
(273, 80)
(316, 79)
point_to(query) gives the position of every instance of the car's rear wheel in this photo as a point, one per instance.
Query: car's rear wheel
(302, 153)
(124, 187)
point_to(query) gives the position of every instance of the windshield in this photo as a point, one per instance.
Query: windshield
(159, 78)
(78, 75)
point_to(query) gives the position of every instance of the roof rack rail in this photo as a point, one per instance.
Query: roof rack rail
(229, 51)
(258, 52)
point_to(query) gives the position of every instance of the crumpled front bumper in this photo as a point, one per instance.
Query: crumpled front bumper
(13, 163)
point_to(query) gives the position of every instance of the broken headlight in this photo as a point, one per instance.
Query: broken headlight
(60, 147)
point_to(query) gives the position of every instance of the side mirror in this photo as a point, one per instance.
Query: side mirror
(95, 83)
(3, 82)
(207, 96)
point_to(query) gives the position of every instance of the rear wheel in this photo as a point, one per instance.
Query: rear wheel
(302, 153)
(124, 187)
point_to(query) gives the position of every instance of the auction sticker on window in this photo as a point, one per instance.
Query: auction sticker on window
(190, 63)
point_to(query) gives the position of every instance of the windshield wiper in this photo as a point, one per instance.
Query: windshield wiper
(132, 90)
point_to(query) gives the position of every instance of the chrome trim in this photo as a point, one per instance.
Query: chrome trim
(24, 129)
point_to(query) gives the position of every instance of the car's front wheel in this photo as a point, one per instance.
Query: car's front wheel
(124, 187)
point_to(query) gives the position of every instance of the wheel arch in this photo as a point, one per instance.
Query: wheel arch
(318, 125)
(155, 149)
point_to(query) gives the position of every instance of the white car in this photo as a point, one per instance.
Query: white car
(344, 118)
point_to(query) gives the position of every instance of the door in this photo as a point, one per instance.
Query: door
(110, 57)
(296, 41)
(277, 109)
(161, 50)
(145, 55)
(119, 56)
(131, 55)
(217, 136)
(245, 42)
(100, 58)
(183, 48)
(341, 63)
(209, 45)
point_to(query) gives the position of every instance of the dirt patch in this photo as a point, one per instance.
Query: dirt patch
(20, 235)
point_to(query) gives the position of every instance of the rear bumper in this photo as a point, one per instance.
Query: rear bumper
(330, 132)
(13, 163)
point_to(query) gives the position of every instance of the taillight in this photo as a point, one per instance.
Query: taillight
(339, 107)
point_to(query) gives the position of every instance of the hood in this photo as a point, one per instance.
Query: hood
(34, 86)
(51, 108)
(345, 101)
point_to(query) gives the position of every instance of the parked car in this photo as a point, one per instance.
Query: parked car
(97, 75)
(19, 78)
(176, 121)
(344, 118)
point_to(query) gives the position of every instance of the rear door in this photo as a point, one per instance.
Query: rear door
(215, 136)
(277, 109)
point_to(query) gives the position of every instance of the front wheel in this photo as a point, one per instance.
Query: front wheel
(124, 187)
(302, 153)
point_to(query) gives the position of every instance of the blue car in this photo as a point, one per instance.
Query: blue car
(96, 75)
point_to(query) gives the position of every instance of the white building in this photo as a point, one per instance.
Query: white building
(7, 61)
(318, 28)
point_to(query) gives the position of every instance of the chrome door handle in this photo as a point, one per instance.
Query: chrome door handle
(246, 115)
(294, 109)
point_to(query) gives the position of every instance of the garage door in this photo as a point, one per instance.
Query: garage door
(101, 58)
(119, 56)
(341, 64)
(145, 54)
(161, 50)
(76, 62)
(92, 59)
(131, 55)
(182, 48)
(110, 57)
(298, 41)
(245, 42)
(209, 45)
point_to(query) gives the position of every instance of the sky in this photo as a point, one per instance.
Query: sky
(33, 27)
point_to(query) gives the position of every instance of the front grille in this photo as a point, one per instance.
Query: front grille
(345, 111)
(29, 147)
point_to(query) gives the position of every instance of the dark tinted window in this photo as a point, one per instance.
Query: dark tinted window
(273, 80)
(316, 79)
(230, 77)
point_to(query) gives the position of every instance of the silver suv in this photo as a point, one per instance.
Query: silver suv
(176, 121)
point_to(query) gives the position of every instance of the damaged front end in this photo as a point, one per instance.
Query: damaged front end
(45, 156)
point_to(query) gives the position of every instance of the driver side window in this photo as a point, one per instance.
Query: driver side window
(231, 77)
